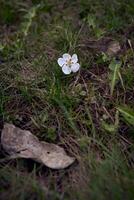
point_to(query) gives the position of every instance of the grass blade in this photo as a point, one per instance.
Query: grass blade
(127, 113)
(114, 66)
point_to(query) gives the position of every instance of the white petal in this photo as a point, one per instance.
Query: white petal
(74, 58)
(66, 56)
(66, 69)
(61, 61)
(75, 67)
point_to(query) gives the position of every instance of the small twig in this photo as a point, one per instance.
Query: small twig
(104, 108)
(125, 140)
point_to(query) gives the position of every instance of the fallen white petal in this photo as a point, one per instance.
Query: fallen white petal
(61, 62)
(66, 69)
(66, 56)
(75, 67)
(74, 58)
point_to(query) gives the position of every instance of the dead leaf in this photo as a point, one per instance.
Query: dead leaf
(106, 44)
(113, 48)
(21, 143)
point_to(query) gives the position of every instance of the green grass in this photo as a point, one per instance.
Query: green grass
(90, 113)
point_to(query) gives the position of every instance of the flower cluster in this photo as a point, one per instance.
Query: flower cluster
(69, 63)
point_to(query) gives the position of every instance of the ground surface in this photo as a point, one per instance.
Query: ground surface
(89, 113)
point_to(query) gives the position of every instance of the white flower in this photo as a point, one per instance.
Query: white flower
(69, 64)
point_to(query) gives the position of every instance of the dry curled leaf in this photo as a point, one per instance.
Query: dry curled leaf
(21, 143)
(113, 48)
(107, 45)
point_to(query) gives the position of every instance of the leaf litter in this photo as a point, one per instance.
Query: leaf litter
(20, 143)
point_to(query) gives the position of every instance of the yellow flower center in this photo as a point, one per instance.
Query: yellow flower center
(69, 62)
